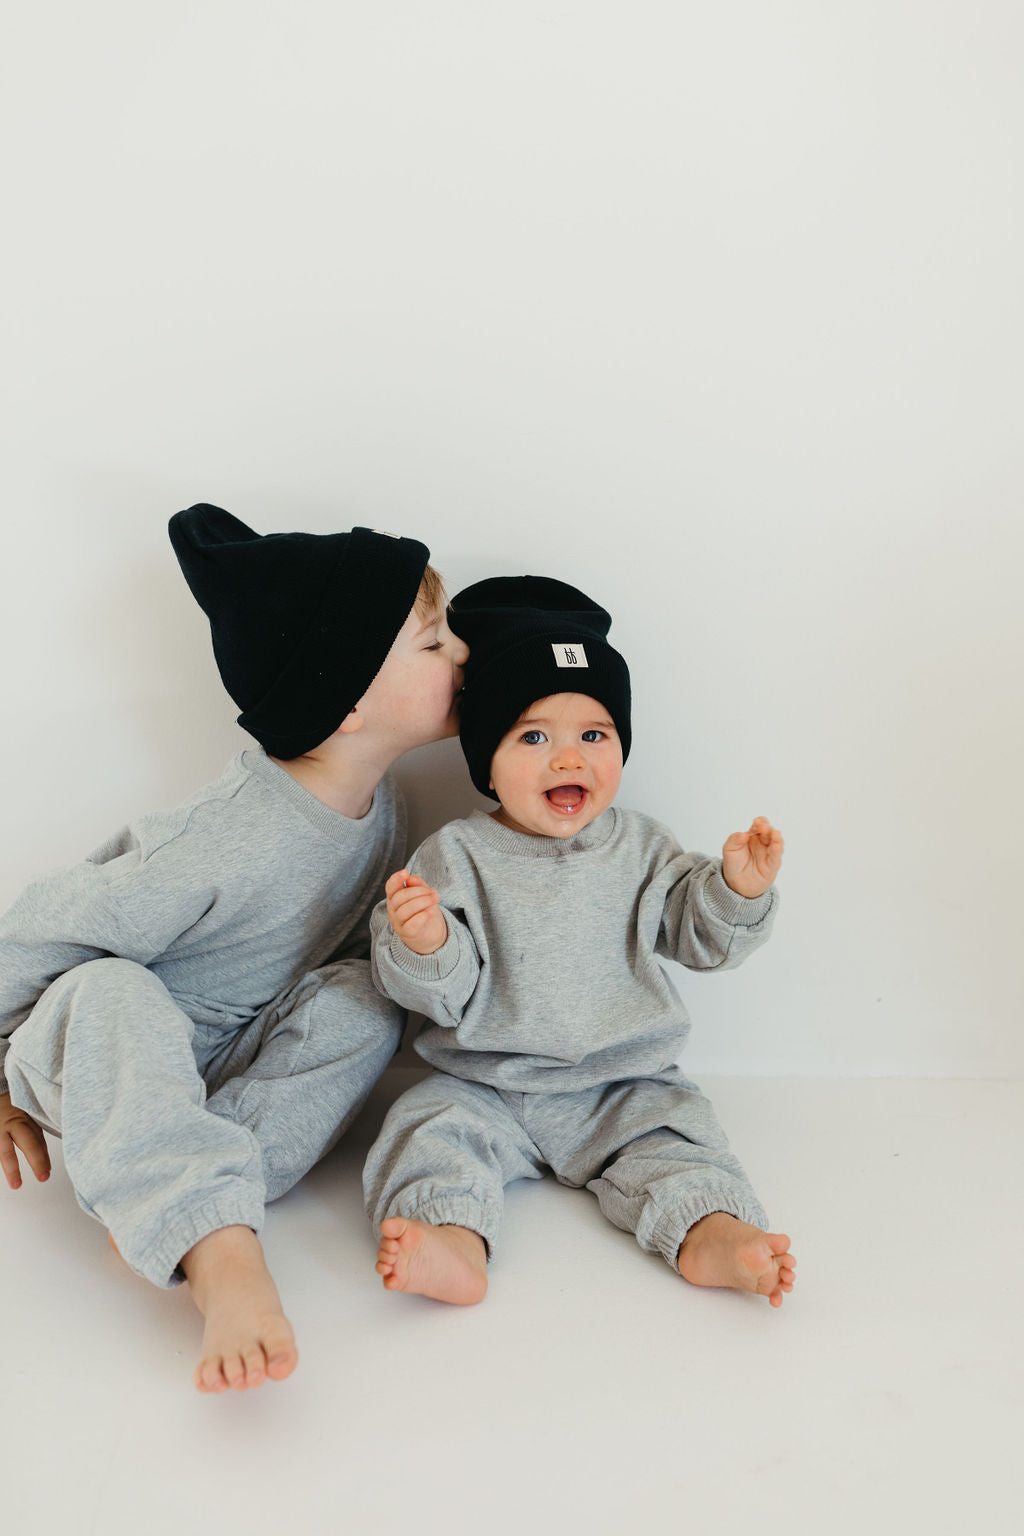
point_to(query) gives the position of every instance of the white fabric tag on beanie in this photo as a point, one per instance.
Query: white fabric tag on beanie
(570, 655)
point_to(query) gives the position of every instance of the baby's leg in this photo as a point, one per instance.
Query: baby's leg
(701, 1215)
(666, 1171)
(299, 1074)
(434, 1184)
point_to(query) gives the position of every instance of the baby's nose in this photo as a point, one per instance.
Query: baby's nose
(566, 755)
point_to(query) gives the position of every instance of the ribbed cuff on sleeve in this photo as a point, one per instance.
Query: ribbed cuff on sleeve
(435, 967)
(739, 911)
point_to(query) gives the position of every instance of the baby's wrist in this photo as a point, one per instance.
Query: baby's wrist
(417, 948)
(421, 946)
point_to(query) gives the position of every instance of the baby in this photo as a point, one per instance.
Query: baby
(530, 938)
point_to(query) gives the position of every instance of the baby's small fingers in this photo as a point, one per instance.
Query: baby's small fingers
(415, 903)
(403, 901)
(400, 881)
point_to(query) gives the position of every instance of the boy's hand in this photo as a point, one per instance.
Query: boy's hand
(751, 860)
(415, 913)
(19, 1131)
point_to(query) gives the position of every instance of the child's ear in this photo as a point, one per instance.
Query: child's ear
(353, 721)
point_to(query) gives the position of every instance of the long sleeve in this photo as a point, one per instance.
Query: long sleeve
(438, 985)
(705, 925)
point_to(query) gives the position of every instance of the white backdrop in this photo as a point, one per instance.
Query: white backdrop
(714, 311)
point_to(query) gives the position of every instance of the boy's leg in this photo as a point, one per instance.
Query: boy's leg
(298, 1075)
(105, 1060)
(435, 1175)
(654, 1154)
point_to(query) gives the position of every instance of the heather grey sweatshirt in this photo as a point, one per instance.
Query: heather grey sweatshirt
(228, 898)
(549, 981)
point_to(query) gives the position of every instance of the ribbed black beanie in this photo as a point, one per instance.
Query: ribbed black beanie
(301, 622)
(529, 637)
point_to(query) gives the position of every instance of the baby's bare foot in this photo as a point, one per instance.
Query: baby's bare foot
(448, 1263)
(247, 1336)
(722, 1250)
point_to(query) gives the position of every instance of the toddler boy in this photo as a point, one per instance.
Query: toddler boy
(191, 1008)
(530, 937)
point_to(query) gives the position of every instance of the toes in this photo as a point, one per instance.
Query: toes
(234, 1372)
(282, 1358)
(209, 1377)
(393, 1227)
(255, 1366)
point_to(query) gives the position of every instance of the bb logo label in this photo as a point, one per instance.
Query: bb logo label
(570, 656)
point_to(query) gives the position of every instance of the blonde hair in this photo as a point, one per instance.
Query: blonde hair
(431, 598)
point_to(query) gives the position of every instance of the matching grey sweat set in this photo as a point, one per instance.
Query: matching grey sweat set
(556, 1032)
(191, 1008)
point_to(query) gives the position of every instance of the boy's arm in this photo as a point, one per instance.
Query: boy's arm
(708, 921)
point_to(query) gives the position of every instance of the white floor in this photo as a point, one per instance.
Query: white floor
(592, 1391)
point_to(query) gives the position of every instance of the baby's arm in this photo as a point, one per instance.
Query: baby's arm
(716, 912)
(423, 955)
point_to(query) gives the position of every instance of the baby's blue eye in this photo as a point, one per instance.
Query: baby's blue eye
(532, 738)
(593, 735)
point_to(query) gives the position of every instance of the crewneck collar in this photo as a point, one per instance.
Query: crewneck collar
(341, 829)
(525, 845)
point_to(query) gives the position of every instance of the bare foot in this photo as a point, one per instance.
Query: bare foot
(247, 1337)
(448, 1263)
(722, 1250)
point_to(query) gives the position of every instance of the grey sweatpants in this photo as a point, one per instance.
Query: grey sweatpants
(651, 1150)
(173, 1129)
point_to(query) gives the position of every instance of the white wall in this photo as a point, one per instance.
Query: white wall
(712, 310)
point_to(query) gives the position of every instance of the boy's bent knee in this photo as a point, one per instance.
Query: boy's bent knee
(110, 976)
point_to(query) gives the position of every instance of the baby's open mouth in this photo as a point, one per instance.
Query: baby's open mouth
(566, 798)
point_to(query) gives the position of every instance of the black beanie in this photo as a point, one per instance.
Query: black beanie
(301, 622)
(529, 637)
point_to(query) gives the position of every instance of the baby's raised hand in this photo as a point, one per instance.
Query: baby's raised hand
(751, 860)
(415, 913)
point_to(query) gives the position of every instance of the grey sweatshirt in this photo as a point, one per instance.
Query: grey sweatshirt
(549, 981)
(228, 898)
